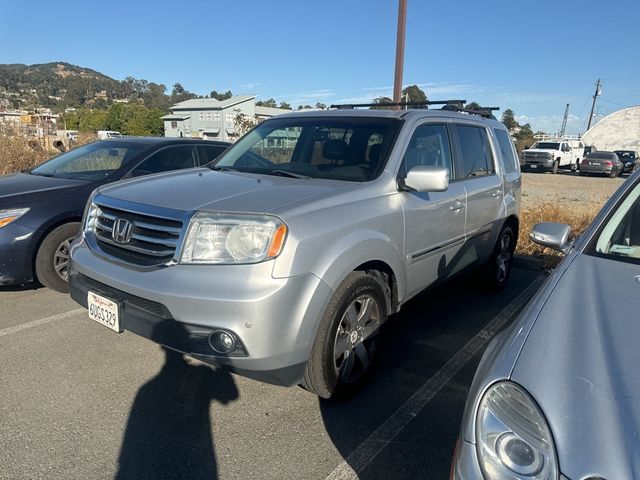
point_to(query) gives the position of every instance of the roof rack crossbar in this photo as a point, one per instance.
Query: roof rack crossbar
(351, 106)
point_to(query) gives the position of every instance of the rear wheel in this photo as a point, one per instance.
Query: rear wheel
(52, 259)
(498, 269)
(348, 337)
(613, 174)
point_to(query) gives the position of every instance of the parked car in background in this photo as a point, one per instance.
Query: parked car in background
(41, 209)
(629, 159)
(557, 394)
(601, 163)
(105, 134)
(550, 155)
(283, 260)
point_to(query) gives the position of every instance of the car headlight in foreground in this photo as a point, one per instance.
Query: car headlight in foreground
(513, 439)
(233, 238)
(11, 215)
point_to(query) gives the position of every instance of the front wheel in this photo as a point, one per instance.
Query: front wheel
(554, 169)
(348, 337)
(52, 259)
(498, 269)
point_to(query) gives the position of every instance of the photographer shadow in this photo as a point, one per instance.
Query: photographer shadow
(168, 433)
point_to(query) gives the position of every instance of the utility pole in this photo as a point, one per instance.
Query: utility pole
(564, 121)
(596, 94)
(402, 26)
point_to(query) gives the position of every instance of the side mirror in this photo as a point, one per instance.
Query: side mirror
(425, 178)
(552, 235)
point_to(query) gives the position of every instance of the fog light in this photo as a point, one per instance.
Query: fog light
(222, 342)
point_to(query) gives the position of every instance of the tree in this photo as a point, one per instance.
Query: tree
(285, 105)
(473, 106)
(413, 94)
(271, 102)
(524, 138)
(321, 106)
(304, 107)
(508, 118)
(381, 101)
(221, 95)
(243, 123)
(179, 94)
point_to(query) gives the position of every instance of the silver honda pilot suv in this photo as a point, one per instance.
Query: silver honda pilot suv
(283, 260)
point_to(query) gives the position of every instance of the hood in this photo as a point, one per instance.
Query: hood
(24, 184)
(205, 189)
(580, 362)
(539, 150)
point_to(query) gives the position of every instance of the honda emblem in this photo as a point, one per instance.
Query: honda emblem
(121, 232)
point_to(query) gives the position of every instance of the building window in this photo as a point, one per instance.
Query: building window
(216, 117)
(201, 116)
(174, 125)
(229, 117)
(208, 116)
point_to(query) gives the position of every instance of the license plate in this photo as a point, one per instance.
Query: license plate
(104, 311)
(533, 166)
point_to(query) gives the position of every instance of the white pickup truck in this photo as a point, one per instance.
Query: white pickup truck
(549, 155)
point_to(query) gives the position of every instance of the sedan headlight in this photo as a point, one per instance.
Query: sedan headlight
(233, 238)
(11, 215)
(513, 439)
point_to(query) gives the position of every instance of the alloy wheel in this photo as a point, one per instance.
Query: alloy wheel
(504, 258)
(61, 259)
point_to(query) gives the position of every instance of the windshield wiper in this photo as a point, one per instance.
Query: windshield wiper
(285, 173)
(223, 169)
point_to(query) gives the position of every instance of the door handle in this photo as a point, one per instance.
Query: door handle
(456, 207)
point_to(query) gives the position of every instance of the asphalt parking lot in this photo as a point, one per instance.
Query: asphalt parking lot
(79, 401)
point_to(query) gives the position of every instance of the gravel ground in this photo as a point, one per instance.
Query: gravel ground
(567, 187)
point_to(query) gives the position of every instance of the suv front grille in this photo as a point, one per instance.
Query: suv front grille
(153, 240)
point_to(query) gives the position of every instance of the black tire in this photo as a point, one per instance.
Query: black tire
(51, 267)
(326, 373)
(498, 269)
(613, 174)
(554, 169)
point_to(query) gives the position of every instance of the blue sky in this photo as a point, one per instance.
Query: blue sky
(533, 60)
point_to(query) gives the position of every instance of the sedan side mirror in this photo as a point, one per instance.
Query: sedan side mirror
(552, 235)
(426, 178)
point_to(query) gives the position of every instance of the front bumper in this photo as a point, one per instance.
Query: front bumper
(16, 254)
(541, 164)
(180, 305)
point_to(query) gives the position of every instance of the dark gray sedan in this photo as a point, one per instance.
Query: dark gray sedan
(601, 163)
(557, 394)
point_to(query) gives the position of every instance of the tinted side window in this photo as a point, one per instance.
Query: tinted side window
(476, 154)
(207, 153)
(429, 145)
(506, 149)
(171, 158)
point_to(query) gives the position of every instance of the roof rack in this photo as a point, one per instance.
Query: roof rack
(449, 105)
(351, 106)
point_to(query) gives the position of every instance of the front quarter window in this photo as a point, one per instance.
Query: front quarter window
(619, 238)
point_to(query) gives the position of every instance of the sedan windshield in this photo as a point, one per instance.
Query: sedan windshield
(89, 162)
(619, 238)
(352, 149)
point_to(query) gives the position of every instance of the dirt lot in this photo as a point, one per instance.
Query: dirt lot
(579, 192)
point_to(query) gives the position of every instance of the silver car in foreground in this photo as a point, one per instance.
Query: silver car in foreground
(557, 394)
(283, 260)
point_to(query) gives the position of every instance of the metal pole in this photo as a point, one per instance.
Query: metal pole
(402, 25)
(593, 105)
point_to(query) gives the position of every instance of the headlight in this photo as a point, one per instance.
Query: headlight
(513, 440)
(11, 215)
(91, 215)
(229, 238)
(550, 154)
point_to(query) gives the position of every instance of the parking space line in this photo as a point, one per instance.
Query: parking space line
(369, 449)
(42, 321)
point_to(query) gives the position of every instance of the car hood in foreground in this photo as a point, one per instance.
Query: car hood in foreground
(581, 362)
(23, 183)
(204, 189)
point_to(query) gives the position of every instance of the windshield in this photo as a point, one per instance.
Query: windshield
(547, 145)
(352, 149)
(89, 162)
(620, 237)
(600, 156)
(625, 154)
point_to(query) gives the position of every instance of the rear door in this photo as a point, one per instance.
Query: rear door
(483, 188)
(434, 221)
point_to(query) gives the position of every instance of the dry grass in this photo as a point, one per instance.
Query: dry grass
(17, 153)
(20, 153)
(579, 217)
